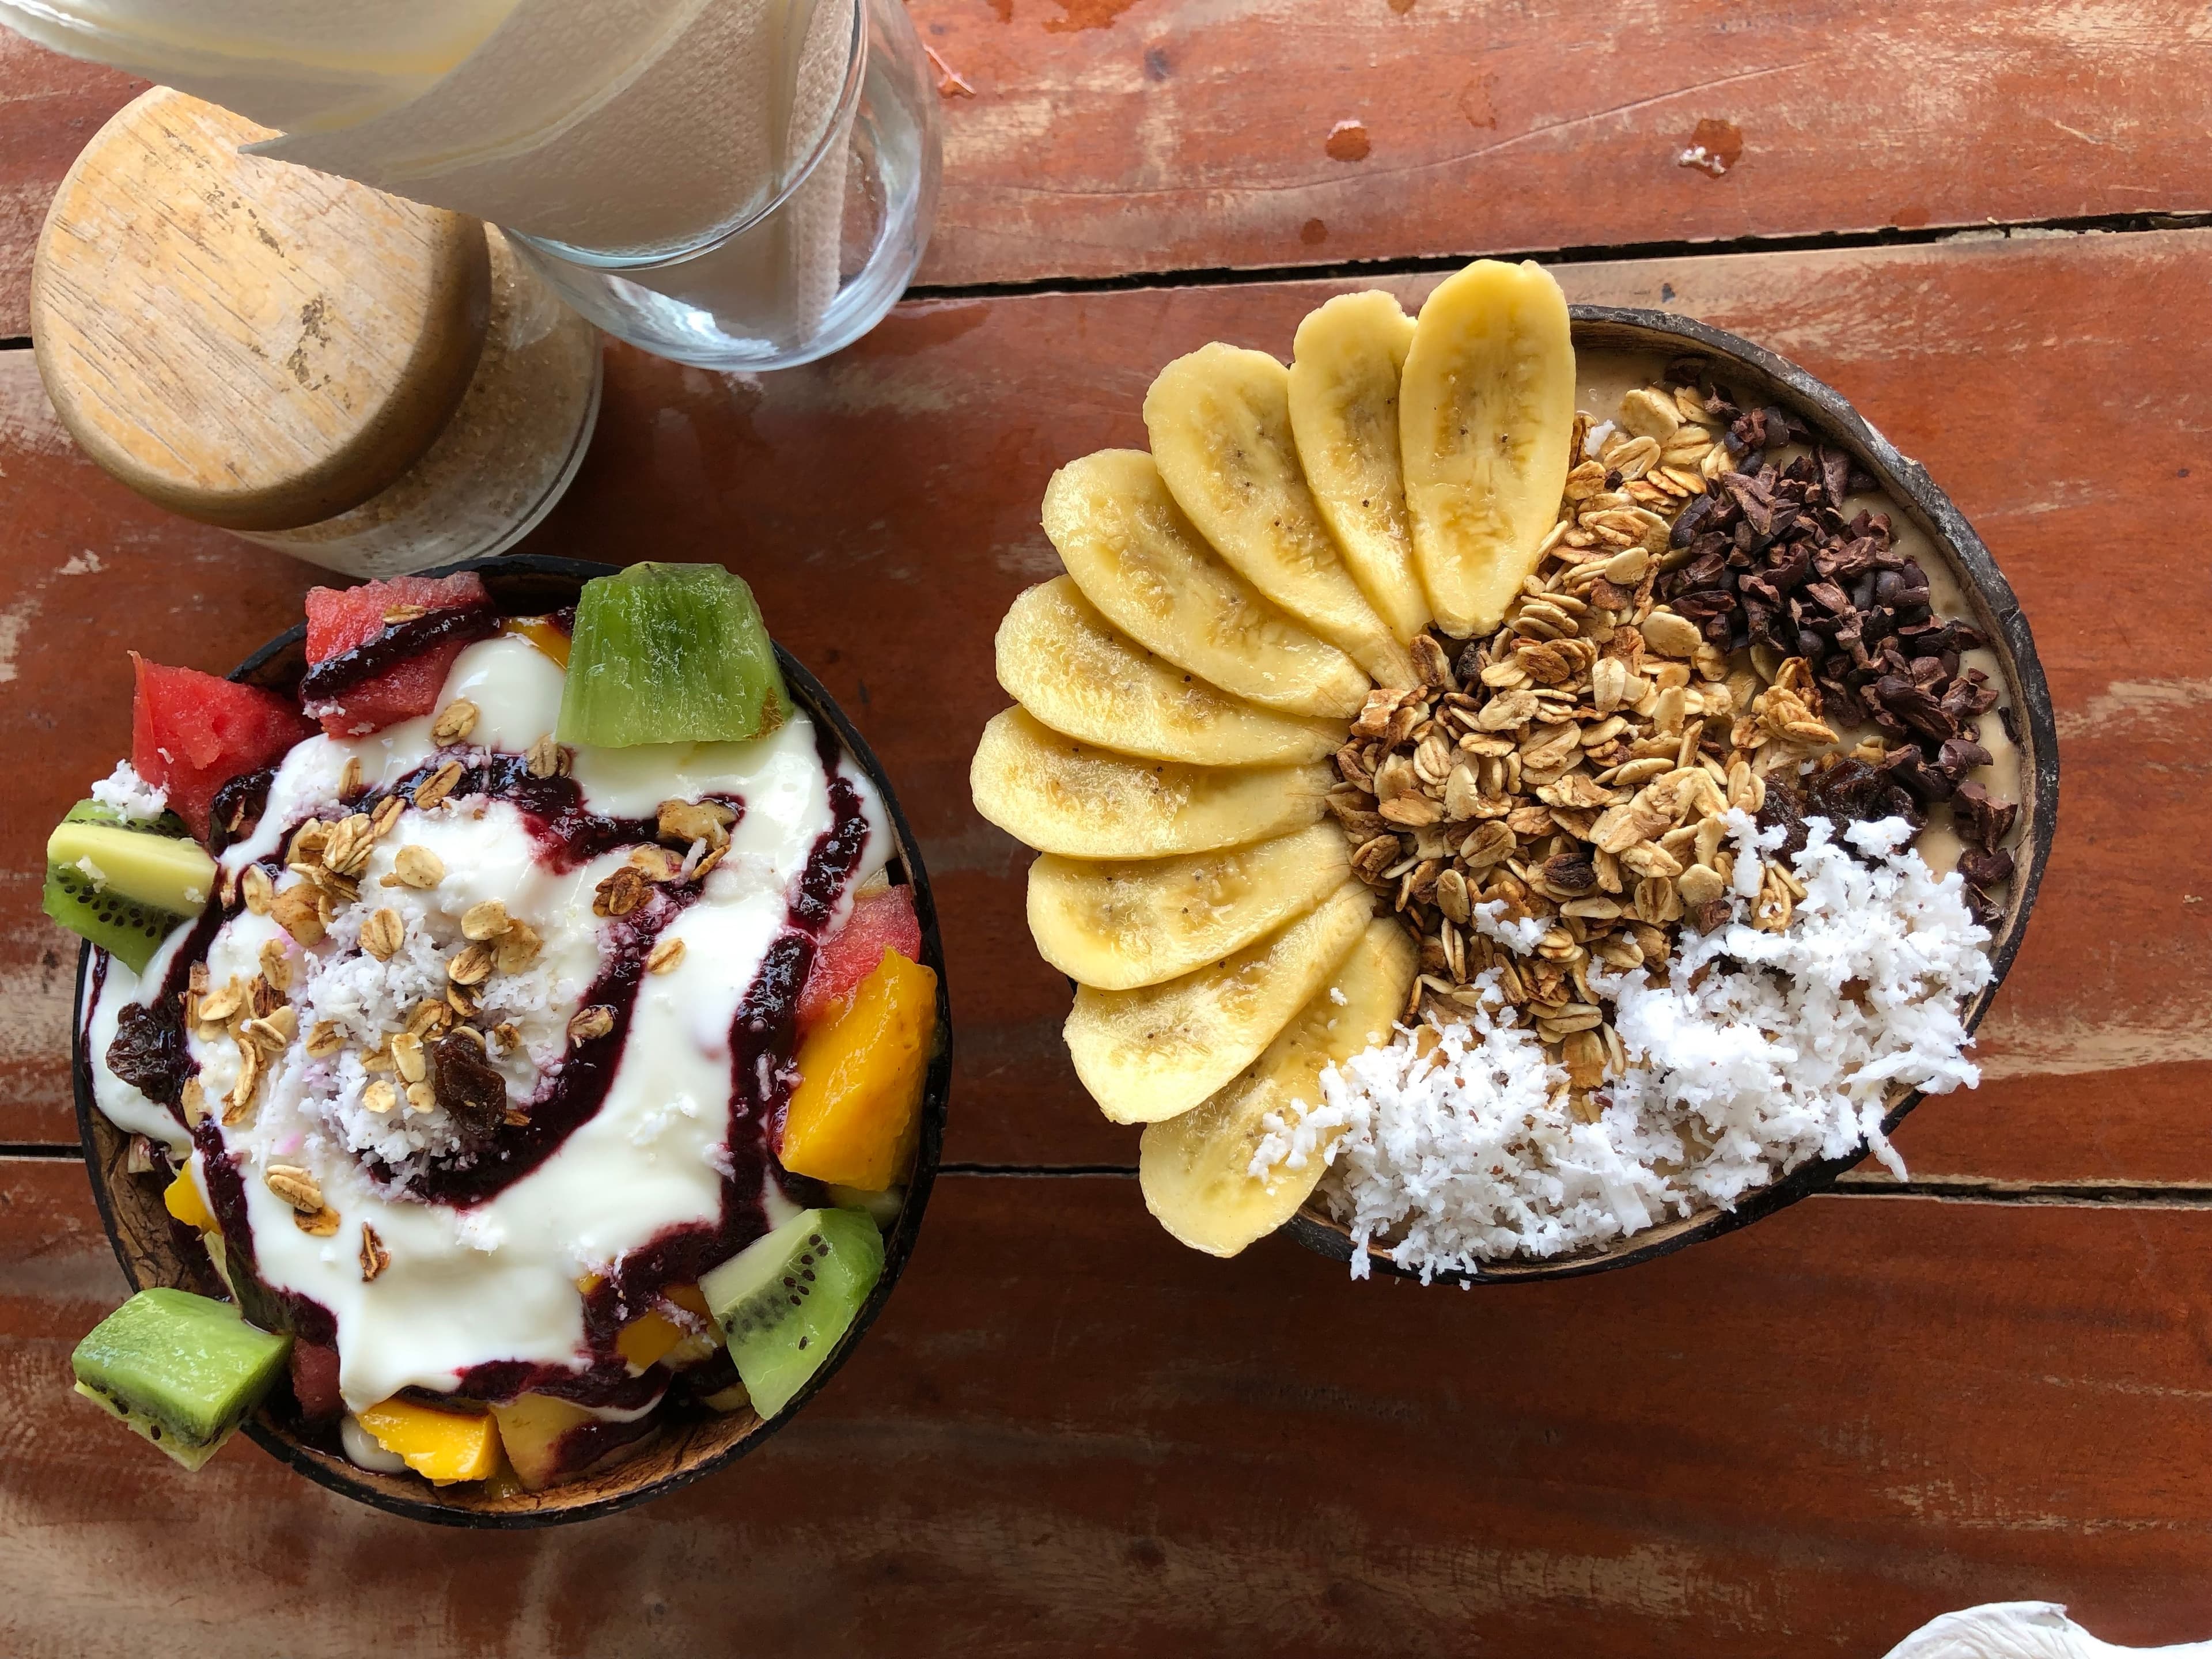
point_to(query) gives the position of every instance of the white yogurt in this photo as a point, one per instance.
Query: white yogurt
(497, 1281)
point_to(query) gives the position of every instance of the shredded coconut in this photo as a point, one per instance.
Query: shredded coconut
(92, 873)
(1455, 1145)
(1594, 442)
(123, 791)
(1521, 935)
(370, 999)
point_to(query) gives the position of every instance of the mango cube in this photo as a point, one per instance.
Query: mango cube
(531, 1427)
(646, 1338)
(854, 1115)
(183, 1201)
(441, 1446)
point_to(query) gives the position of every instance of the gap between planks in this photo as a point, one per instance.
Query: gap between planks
(1590, 254)
(2132, 1195)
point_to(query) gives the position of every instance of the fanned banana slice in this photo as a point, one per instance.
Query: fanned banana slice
(1485, 413)
(1136, 557)
(1220, 425)
(1154, 1054)
(1344, 412)
(1062, 796)
(1072, 669)
(1125, 925)
(1195, 1170)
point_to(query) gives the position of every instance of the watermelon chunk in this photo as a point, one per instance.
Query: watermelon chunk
(191, 734)
(340, 619)
(882, 920)
(315, 1382)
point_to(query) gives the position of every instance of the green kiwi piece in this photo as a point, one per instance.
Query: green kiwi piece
(148, 880)
(670, 653)
(784, 1300)
(180, 1370)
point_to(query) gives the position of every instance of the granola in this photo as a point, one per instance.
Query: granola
(1557, 795)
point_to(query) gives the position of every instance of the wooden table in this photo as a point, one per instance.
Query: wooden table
(1984, 221)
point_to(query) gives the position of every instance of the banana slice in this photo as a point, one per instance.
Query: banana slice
(1121, 926)
(1065, 797)
(1150, 1055)
(1485, 412)
(1195, 1171)
(1072, 669)
(1136, 557)
(1220, 426)
(1344, 411)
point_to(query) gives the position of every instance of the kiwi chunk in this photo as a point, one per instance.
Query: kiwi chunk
(784, 1301)
(670, 653)
(180, 1370)
(122, 886)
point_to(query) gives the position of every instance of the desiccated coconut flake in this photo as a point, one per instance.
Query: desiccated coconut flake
(1455, 1145)
(123, 791)
(1520, 934)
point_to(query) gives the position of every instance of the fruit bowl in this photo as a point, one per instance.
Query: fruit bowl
(155, 1250)
(1760, 374)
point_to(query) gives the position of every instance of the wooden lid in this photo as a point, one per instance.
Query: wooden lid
(248, 343)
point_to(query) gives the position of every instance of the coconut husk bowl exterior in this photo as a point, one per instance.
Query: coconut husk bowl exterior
(154, 1250)
(1760, 378)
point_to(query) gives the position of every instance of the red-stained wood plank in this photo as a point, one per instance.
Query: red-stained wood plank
(884, 505)
(1107, 137)
(1068, 1436)
(50, 107)
(1110, 136)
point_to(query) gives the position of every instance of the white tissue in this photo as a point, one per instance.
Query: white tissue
(2023, 1630)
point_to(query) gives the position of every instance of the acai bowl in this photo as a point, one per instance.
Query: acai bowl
(589, 1060)
(1519, 788)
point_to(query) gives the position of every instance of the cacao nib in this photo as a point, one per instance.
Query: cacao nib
(1981, 820)
(1835, 474)
(1960, 756)
(1985, 870)
(1685, 527)
(1784, 810)
(1913, 707)
(1907, 766)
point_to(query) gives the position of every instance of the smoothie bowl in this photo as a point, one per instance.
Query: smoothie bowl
(512, 1050)
(1519, 789)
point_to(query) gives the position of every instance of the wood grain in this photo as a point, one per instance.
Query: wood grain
(1101, 137)
(2051, 384)
(1066, 1436)
(1106, 136)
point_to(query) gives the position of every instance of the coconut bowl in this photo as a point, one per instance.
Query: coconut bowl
(1761, 378)
(154, 1250)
